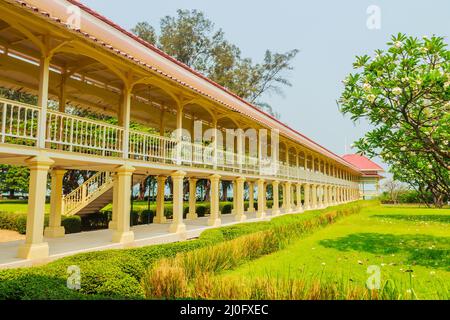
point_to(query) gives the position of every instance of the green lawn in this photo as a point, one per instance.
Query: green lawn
(17, 206)
(397, 239)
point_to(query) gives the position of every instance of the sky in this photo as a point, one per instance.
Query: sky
(329, 34)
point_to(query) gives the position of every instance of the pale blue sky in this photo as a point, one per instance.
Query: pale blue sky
(328, 34)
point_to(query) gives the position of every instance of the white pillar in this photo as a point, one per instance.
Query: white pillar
(251, 197)
(240, 216)
(122, 205)
(177, 225)
(124, 121)
(276, 198)
(44, 70)
(192, 199)
(299, 198)
(34, 246)
(214, 218)
(307, 190)
(55, 230)
(261, 213)
(161, 185)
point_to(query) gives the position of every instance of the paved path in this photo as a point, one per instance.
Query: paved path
(101, 240)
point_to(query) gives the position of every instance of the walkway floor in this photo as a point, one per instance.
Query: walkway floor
(101, 240)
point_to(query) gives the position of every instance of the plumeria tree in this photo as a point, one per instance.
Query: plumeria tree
(404, 93)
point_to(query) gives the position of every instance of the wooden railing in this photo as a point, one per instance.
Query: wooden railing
(87, 191)
(19, 123)
(65, 132)
(81, 135)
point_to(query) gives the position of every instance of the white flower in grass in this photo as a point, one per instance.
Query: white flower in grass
(323, 263)
(408, 291)
(397, 91)
(432, 273)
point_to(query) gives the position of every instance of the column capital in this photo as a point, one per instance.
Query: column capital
(39, 161)
(178, 174)
(215, 177)
(193, 180)
(161, 178)
(276, 182)
(58, 172)
(125, 169)
(240, 179)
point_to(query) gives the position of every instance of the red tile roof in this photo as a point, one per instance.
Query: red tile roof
(362, 162)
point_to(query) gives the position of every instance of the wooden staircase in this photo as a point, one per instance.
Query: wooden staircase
(93, 195)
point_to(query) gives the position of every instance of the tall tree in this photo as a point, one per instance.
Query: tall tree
(404, 93)
(192, 38)
(14, 179)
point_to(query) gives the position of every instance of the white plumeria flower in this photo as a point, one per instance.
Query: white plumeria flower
(447, 84)
(430, 166)
(397, 91)
(398, 44)
(371, 97)
(367, 86)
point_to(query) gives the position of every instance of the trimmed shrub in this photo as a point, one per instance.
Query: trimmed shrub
(18, 222)
(13, 221)
(71, 224)
(134, 218)
(202, 210)
(226, 209)
(146, 216)
(99, 220)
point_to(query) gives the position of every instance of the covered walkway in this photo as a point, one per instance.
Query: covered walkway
(101, 239)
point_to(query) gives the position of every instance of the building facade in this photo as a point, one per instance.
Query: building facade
(79, 63)
(369, 181)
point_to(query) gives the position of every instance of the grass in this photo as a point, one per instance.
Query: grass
(410, 245)
(190, 274)
(17, 206)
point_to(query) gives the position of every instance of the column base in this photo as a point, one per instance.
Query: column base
(275, 212)
(112, 225)
(159, 220)
(54, 232)
(299, 209)
(191, 216)
(177, 228)
(260, 215)
(240, 217)
(33, 251)
(214, 222)
(123, 237)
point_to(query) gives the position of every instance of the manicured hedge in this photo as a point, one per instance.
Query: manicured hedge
(18, 222)
(117, 273)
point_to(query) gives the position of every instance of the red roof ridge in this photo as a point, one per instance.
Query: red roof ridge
(362, 162)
